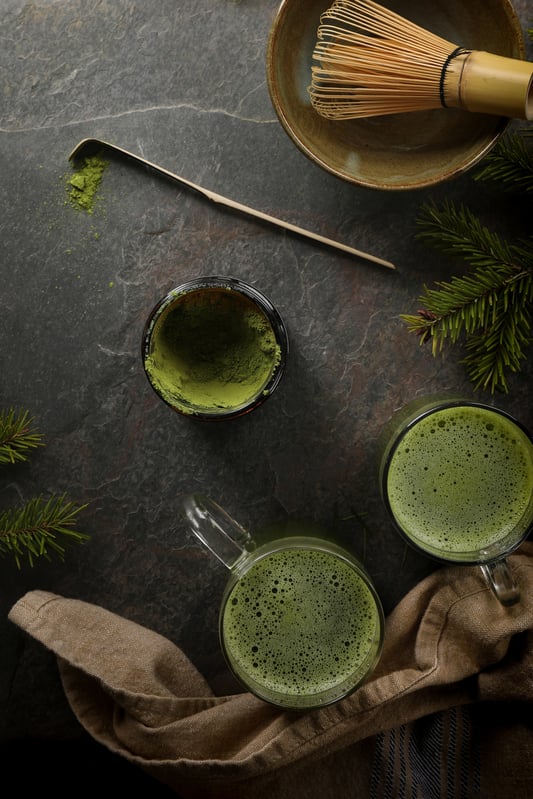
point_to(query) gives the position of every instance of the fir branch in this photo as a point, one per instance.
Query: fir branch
(457, 231)
(17, 436)
(510, 163)
(41, 528)
(493, 354)
(489, 307)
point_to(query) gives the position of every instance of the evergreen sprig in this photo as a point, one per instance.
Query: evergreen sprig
(490, 307)
(36, 529)
(17, 436)
(40, 528)
(510, 163)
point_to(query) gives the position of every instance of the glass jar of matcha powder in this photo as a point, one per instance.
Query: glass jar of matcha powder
(214, 348)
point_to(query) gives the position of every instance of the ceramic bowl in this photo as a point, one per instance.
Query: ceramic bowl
(400, 151)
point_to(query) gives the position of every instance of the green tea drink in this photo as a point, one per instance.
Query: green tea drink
(302, 627)
(460, 483)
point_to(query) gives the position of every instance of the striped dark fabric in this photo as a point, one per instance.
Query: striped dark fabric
(435, 757)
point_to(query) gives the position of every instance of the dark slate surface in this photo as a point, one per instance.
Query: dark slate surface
(183, 84)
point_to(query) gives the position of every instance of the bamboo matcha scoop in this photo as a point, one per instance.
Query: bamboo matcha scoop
(86, 145)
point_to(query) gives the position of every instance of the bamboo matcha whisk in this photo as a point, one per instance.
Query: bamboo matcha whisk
(371, 62)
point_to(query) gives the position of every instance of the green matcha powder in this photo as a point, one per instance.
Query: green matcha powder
(83, 185)
(211, 350)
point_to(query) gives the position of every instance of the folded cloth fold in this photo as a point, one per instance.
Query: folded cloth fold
(449, 647)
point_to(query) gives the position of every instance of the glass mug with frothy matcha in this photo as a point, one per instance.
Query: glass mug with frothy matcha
(300, 623)
(456, 477)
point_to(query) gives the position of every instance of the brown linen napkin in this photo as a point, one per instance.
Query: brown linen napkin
(450, 648)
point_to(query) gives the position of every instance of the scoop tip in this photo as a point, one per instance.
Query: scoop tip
(82, 146)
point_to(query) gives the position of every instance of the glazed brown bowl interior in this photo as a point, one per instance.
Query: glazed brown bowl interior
(401, 151)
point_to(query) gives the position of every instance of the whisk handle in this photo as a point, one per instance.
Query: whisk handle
(490, 84)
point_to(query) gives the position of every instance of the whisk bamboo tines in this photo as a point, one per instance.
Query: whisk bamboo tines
(371, 61)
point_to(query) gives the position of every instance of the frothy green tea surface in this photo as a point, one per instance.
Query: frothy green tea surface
(300, 622)
(461, 480)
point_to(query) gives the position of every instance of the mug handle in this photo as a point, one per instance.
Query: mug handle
(500, 579)
(215, 528)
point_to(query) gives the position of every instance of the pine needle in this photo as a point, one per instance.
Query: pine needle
(456, 230)
(40, 529)
(17, 436)
(510, 163)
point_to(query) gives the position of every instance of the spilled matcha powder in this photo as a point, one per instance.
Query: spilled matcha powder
(83, 185)
(211, 350)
